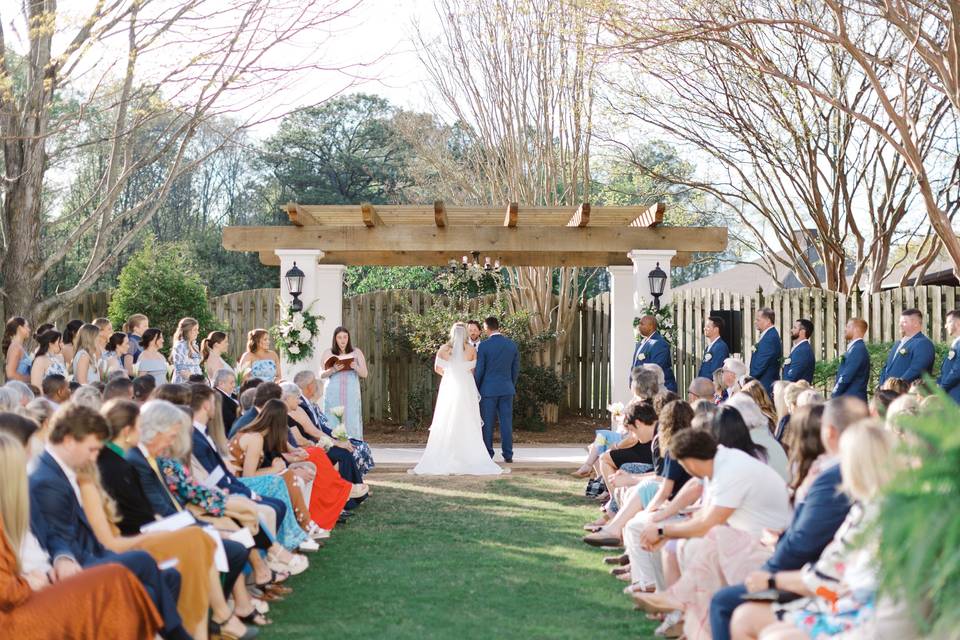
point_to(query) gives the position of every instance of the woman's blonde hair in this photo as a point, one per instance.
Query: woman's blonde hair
(453, 328)
(867, 462)
(87, 340)
(755, 390)
(14, 500)
(216, 429)
(90, 472)
(183, 329)
(779, 398)
(132, 322)
(793, 391)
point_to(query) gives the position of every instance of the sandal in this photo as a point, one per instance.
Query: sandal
(276, 577)
(255, 617)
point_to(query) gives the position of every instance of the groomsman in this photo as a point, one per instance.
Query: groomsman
(474, 331)
(913, 356)
(800, 363)
(765, 361)
(717, 350)
(654, 349)
(949, 379)
(854, 371)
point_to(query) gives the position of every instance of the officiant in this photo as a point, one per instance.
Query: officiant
(343, 366)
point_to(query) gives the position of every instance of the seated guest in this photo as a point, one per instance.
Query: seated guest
(24, 392)
(106, 601)
(119, 388)
(143, 386)
(9, 399)
(881, 401)
(723, 538)
(815, 520)
(759, 426)
(898, 385)
(734, 371)
(309, 401)
(57, 519)
(806, 448)
(700, 389)
(780, 406)
(88, 396)
(225, 383)
(759, 395)
(56, 389)
(840, 590)
(264, 391)
(640, 421)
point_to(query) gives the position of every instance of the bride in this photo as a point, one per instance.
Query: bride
(456, 443)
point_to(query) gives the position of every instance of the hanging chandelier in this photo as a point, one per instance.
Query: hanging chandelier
(465, 263)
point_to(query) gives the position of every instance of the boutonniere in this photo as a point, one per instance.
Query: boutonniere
(903, 351)
(642, 357)
(787, 361)
(951, 355)
(753, 348)
(708, 357)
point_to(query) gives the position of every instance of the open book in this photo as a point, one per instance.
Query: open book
(332, 361)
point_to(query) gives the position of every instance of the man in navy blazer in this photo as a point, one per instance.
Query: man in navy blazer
(913, 355)
(949, 379)
(717, 349)
(814, 524)
(799, 365)
(654, 349)
(60, 525)
(765, 361)
(498, 368)
(854, 371)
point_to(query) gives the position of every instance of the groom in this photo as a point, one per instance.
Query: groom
(498, 365)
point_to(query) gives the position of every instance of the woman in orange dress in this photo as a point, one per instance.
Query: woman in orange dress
(106, 602)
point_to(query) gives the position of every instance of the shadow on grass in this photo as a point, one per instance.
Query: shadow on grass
(461, 558)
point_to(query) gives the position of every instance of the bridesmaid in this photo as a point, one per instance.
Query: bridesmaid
(343, 389)
(151, 361)
(117, 347)
(18, 361)
(262, 362)
(69, 335)
(211, 354)
(185, 354)
(48, 359)
(87, 355)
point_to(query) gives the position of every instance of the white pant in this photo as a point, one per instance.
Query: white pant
(646, 567)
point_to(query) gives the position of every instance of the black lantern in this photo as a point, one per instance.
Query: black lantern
(658, 280)
(295, 286)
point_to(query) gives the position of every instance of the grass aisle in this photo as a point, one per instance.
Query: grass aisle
(461, 558)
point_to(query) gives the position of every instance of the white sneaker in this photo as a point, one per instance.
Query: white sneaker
(318, 533)
(309, 546)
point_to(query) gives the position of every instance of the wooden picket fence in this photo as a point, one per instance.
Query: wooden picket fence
(828, 310)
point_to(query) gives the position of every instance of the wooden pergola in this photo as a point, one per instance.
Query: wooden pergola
(408, 235)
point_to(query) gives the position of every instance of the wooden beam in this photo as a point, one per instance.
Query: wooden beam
(581, 218)
(513, 211)
(295, 214)
(488, 240)
(652, 217)
(682, 259)
(439, 213)
(369, 215)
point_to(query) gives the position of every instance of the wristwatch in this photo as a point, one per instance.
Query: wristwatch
(772, 581)
(660, 532)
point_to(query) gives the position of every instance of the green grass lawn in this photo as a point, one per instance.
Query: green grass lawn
(461, 558)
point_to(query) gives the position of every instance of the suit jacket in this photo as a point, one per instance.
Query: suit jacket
(316, 417)
(498, 367)
(656, 350)
(800, 364)
(814, 524)
(122, 482)
(765, 361)
(916, 359)
(159, 498)
(230, 409)
(718, 352)
(949, 379)
(854, 372)
(56, 517)
(242, 420)
(209, 458)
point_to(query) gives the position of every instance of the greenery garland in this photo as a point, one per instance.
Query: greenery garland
(295, 333)
(665, 323)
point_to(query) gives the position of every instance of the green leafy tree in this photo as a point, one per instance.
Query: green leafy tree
(156, 283)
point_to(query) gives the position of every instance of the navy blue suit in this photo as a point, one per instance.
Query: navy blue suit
(62, 528)
(814, 524)
(656, 350)
(949, 379)
(854, 371)
(801, 363)
(242, 420)
(718, 352)
(498, 368)
(765, 361)
(916, 359)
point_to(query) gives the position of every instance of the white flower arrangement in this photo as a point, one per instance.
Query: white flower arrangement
(615, 409)
(665, 322)
(338, 412)
(294, 335)
(340, 433)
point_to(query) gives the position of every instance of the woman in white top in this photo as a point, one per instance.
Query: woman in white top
(48, 359)
(87, 356)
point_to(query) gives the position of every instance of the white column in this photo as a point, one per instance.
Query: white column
(322, 294)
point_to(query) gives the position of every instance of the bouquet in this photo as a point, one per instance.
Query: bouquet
(340, 433)
(615, 409)
(295, 334)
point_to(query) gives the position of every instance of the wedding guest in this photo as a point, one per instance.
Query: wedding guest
(343, 388)
(9, 400)
(101, 602)
(717, 350)
(225, 383)
(185, 355)
(134, 327)
(18, 361)
(799, 365)
(805, 448)
(734, 371)
(111, 361)
(143, 386)
(913, 355)
(765, 361)
(120, 387)
(87, 396)
(652, 348)
(780, 407)
(57, 520)
(55, 389)
(259, 361)
(151, 362)
(47, 359)
(24, 393)
(759, 427)
(474, 333)
(759, 395)
(700, 389)
(212, 349)
(86, 355)
(69, 335)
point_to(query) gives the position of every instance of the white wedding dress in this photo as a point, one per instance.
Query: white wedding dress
(455, 446)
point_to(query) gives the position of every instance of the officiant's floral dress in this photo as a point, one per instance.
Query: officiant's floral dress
(343, 390)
